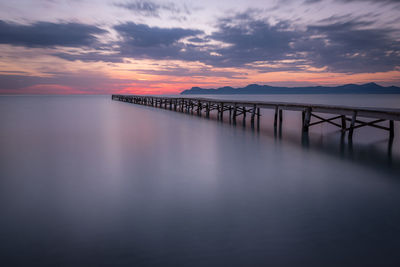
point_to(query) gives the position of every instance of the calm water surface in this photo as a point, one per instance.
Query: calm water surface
(87, 181)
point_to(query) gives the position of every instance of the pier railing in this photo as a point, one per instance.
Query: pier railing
(346, 118)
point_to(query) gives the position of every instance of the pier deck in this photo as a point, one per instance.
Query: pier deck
(346, 118)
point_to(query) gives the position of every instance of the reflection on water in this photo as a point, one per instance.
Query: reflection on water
(87, 181)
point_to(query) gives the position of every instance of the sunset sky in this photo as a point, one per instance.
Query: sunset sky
(164, 47)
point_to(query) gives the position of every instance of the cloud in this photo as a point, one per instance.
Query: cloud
(198, 72)
(151, 9)
(338, 44)
(250, 40)
(47, 34)
(142, 41)
(352, 1)
(351, 46)
(341, 44)
(90, 57)
(198, 40)
(372, 1)
(141, 35)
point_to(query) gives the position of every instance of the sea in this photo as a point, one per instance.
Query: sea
(89, 181)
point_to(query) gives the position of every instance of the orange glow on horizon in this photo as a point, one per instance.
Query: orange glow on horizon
(158, 77)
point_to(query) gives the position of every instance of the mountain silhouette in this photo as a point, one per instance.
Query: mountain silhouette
(368, 88)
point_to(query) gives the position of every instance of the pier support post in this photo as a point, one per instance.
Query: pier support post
(253, 115)
(244, 116)
(343, 119)
(185, 106)
(352, 124)
(307, 119)
(234, 113)
(276, 117)
(198, 107)
(258, 118)
(391, 129)
(222, 111)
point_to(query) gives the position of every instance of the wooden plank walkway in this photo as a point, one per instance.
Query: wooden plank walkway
(346, 118)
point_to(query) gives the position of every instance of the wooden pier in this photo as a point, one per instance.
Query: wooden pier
(346, 118)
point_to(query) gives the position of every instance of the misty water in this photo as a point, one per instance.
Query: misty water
(87, 181)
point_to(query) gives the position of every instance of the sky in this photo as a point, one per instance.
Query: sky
(165, 47)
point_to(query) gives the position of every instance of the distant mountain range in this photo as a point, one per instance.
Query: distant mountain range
(368, 88)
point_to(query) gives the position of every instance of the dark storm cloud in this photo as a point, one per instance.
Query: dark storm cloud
(339, 44)
(142, 41)
(351, 46)
(251, 40)
(203, 72)
(47, 34)
(198, 40)
(141, 35)
(150, 8)
(91, 57)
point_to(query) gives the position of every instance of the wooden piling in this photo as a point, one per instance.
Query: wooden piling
(343, 120)
(307, 120)
(352, 124)
(234, 113)
(253, 115)
(391, 129)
